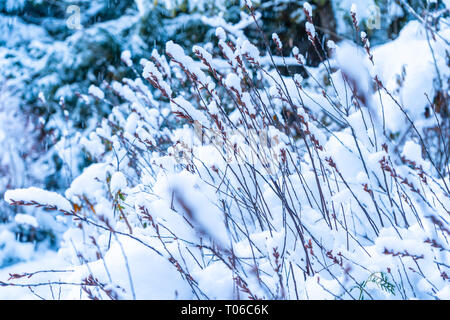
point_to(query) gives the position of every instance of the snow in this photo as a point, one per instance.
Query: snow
(307, 7)
(26, 219)
(331, 44)
(126, 58)
(118, 182)
(409, 52)
(354, 65)
(177, 53)
(147, 268)
(13, 251)
(233, 82)
(298, 78)
(42, 97)
(150, 71)
(310, 29)
(210, 174)
(413, 152)
(182, 105)
(198, 208)
(38, 196)
(277, 41)
(96, 92)
(247, 48)
(204, 54)
(220, 34)
(46, 261)
(220, 275)
(88, 183)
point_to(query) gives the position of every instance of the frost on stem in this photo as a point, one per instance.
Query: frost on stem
(126, 58)
(298, 56)
(307, 9)
(38, 197)
(251, 52)
(234, 83)
(277, 41)
(311, 31)
(180, 104)
(96, 92)
(221, 34)
(353, 9)
(249, 4)
(176, 53)
(152, 74)
(118, 182)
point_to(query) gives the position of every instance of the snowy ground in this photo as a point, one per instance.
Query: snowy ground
(47, 261)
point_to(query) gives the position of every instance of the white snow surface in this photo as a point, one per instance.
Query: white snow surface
(39, 196)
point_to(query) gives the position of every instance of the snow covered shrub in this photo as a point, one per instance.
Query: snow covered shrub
(44, 66)
(219, 177)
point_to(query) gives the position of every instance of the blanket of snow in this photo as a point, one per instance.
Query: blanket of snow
(227, 212)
